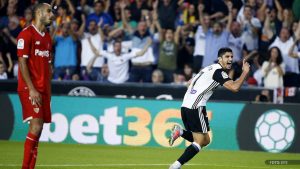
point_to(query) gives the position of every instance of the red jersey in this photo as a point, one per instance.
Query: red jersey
(36, 47)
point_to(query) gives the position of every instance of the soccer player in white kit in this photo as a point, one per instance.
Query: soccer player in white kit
(193, 108)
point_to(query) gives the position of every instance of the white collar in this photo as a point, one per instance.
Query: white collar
(41, 33)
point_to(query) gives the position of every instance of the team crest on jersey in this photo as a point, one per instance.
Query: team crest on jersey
(224, 75)
(36, 109)
(20, 44)
(37, 42)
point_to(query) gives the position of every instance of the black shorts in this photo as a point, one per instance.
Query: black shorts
(195, 120)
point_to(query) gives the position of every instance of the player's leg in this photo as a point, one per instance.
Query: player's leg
(196, 121)
(46, 119)
(32, 138)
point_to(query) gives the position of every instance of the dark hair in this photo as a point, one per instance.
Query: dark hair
(248, 6)
(117, 41)
(222, 51)
(263, 98)
(279, 57)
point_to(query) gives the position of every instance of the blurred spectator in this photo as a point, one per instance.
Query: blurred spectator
(216, 38)
(127, 21)
(215, 8)
(284, 41)
(91, 44)
(3, 74)
(141, 69)
(100, 13)
(5, 56)
(28, 16)
(65, 59)
(118, 62)
(188, 72)
(185, 52)
(264, 96)
(189, 14)
(65, 11)
(157, 77)
(104, 74)
(136, 8)
(200, 38)
(272, 26)
(250, 28)
(273, 69)
(235, 41)
(167, 12)
(167, 61)
(179, 78)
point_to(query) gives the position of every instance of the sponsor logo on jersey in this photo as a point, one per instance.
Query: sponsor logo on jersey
(193, 91)
(20, 44)
(224, 75)
(42, 53)
(36, 109)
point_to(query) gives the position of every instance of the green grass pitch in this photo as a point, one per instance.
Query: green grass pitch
(75, 156)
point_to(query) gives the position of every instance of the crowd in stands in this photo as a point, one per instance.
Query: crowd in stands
(161, 41)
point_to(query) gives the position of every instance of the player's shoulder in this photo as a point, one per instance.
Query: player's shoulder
(26, 31)
(212, 67)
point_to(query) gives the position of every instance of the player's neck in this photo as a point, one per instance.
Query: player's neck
(39, 26)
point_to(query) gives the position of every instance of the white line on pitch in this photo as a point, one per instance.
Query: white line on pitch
(128, 165)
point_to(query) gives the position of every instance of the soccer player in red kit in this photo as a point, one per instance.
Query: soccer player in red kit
(34, 79)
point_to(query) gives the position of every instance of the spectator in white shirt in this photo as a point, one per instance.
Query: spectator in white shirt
(273, 69)
(118, 62)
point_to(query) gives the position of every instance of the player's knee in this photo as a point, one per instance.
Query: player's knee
(36, 129)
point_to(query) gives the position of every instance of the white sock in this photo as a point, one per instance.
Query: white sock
(197, 145)
(176, 164)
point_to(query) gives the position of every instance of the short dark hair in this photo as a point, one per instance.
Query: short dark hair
(222, 51)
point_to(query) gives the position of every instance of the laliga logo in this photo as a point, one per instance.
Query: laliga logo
(44, 53)
(275, 131)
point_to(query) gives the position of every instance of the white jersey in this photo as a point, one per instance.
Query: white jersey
(203, 85)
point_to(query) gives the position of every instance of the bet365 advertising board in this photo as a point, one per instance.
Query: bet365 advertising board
(135, 122)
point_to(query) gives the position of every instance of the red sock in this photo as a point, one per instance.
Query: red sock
(29, 146)
(34, 156)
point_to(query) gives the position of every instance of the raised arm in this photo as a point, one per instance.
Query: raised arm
(82, 26)
(144, 50)
(71, 7)
(10, 62)
(91, 62)
(123, 16)
(229, 6)
(267, 29)
(100, 29)
(177, 35)
(107, 5)
(279, 10)
(235, 86)
(160, 30)
(261, 11)
(201, 17)
(291, 50)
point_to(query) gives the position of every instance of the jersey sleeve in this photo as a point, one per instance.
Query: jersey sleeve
(221, 76)
(106, 54)
(24, 44)
(129, 55)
